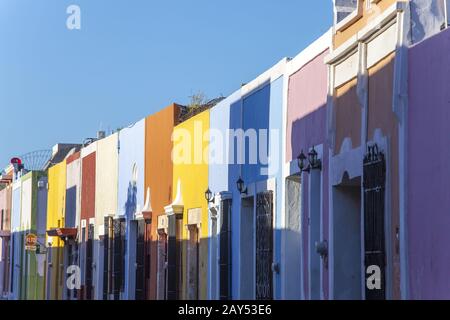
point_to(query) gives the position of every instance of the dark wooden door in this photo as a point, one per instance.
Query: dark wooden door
(374, 210)
(193, 269)
(225, 251)
(119, 256)
(264, 246)
(140, 261)
(89, 262)
(162, 272)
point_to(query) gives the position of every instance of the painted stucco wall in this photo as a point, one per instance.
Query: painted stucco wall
(158, 178)
(194, 182)
(428, 202)
(306, 127)
(381, 118)
(218, 150)
(131, 192)
(106, 182)
(107, 171)
(348, 115)
(367, 16)
(306, 113)
(73, 191)
(88, 169)
(131, 154)
(25, 227)
(33, 212)
(5, 205)
(260, 109)
(56, 205)
(219, 156)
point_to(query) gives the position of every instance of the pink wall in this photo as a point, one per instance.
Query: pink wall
(306, 127)
(428, 211)
(306, 115)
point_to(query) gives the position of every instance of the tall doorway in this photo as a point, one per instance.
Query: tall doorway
(347, 240)
(140, 261)
(247, 250)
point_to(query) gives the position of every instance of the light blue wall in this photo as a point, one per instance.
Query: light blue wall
(130, 196)
(218, 176)
(131, 152)
(276, 151)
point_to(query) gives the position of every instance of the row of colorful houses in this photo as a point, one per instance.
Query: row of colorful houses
(324, 171)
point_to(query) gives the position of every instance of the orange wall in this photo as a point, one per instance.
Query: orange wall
(381, 116)
(348, 115)
(158, 176)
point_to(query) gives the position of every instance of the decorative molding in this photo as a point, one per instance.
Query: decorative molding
(177, 206)
(350, 19)
(364, 34)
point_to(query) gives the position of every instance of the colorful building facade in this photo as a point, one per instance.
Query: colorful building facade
(56, 205)
(302, 184)
(257, 165)
(428, 176)
(306, 193)
(158, 189)
(130, 225)
(5, 229)
(187, 263)
(33, 223)
(106, 184)
(220, 267)
(87, 223)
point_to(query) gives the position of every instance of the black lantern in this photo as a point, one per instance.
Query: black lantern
(209, 196)
(301, 161)
(314, 162)
(241, 186)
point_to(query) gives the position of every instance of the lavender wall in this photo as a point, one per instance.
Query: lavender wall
(428, 217)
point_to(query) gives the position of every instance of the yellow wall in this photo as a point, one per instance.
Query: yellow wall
(55, 218)
(194, 182)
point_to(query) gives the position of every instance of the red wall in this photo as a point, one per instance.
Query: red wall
(88, 187)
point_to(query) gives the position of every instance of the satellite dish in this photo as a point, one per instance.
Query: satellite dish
(36, 160)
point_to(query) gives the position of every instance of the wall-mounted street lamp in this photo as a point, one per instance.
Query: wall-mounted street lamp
(241, 186)
(313, 162)
(209, 196)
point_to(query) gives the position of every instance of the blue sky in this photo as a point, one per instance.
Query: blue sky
(132, 58)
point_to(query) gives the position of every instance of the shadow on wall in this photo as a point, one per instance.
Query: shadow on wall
(131, 204)
(186, 281)
(308, 131)
(71, 207)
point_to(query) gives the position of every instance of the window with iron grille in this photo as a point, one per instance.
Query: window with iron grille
(89, 262)
(264, 246)
(107, 257)
(119, 257)
(374, 211)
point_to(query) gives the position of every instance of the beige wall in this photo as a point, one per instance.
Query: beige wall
(367, 16)
(106, 179)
